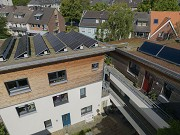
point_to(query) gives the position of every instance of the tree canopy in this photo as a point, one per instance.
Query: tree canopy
(158, 5)
(99, 6)
(3, 130)
(3, 29)
(119, 23)
(20, 2)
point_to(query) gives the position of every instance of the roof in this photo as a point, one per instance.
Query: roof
(142, 17)
(43, 2)
(17, 10)
(89, 18)
(46, 14)
(130, 3)
(33, 60)
(151, 61)
(174, 17)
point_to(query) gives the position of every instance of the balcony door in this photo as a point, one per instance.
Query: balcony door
(66, 119)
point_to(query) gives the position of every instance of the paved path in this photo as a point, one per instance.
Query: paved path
(108, 125)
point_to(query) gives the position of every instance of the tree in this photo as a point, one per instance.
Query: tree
(145, 6)
(3, 130)
(166, 5)
(20, 2)
(99, 6)
(119, 23)
(173, 130)
(3, 29)
(71, 9)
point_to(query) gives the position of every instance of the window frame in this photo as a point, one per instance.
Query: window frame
(129, 69)
(56, 80)
(19, 89)
(58, 101)
(86, 110)
(84, 95)
(47, 126)
(26, 111)
(96, 67)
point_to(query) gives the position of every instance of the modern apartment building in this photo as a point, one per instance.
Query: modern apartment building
(49, 82)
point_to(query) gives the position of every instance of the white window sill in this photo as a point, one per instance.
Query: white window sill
(56, 83)
(20, 92)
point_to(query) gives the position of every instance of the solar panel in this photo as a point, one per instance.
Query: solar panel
(22, 50)
(170, 54)
(87, 41)
(6, 47)
(150, 48)
(39, 45)
(70, 41)
(55, 42)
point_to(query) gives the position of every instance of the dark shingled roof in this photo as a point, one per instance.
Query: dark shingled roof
(144, 17)
(89, 18)
(46, 15)
(130, 3)
(43, 2)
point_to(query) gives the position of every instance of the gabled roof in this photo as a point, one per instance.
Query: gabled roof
(46, 14)
(142, 17)
(43, 2)
(174, 17)
(17, 10)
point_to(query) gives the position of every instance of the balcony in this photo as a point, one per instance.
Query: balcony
(145, 106)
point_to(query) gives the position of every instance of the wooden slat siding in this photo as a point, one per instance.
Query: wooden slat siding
(79, 73)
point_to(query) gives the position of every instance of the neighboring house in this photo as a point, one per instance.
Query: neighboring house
(163, 24)
(44, 3)
(141, 24)
(48, 84)
(6, 2)
(45, 20)
(17, 18)
(144, 84)
(90, 20)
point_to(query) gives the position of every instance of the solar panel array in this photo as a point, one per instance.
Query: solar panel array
(39, 45)
(69, 40)
(7, 47)
(171, 55)
(55, 42)
(87, 41)
(22, 50)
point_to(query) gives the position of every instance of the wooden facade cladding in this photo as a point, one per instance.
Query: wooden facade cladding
(79, 73)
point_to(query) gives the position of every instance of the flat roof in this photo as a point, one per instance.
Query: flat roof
(33, 60)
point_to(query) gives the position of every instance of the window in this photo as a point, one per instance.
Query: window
(38, 25)
(82, 92)
(17, 86)
(55, 16)
(56, 77)
(168, 90)
(95, 66)
(133, 68)
(155, 21)
(57, 24)
(48, 123)
(60, 99)
(25, 109)
(86, 110)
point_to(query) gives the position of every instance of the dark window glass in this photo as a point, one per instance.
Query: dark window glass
(133, 68)
(168, 90)
(25, 109)
(95, 65)
(47, 123)
(155, 21)
(60, 99)
(82, 92)
(58, 76)
(86, 110)
(17, 86)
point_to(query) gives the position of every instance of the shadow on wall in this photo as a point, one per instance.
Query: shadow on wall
(43, 132)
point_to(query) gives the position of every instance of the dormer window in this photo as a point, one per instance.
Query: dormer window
(38, 16)
(19, 15)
